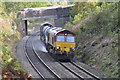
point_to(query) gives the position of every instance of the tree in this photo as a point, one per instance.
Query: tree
(63, 3)
(15, 6)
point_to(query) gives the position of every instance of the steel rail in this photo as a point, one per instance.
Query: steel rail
(25, 50)
(72, 71)
(86, 71)
(57, 76)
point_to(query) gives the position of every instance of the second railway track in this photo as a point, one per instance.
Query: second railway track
(35, 62)
(47, 67)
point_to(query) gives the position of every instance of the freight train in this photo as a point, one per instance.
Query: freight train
(59, 41)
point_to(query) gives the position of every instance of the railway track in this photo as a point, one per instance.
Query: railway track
(86, 71)
(48, 68)
(43, 70)
(78, 71)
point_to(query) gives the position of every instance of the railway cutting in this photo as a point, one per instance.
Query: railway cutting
(48, 68)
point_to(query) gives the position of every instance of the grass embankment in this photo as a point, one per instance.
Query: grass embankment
(96, 31)
(8, 38)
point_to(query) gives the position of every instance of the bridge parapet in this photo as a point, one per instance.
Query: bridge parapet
(34, 14)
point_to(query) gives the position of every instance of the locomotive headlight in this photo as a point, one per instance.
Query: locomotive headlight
(57, 47)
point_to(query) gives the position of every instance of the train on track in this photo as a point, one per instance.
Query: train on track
(59, 41)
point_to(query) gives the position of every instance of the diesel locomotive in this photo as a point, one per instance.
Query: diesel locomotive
(59, 41)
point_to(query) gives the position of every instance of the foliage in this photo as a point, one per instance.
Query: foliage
(15, 6)
(63, 3)
(68, 25)
(81, 9)
(73, 11)
(9, 36)
(54, 4)
(102, 17)
(2, 11)
(96, 19)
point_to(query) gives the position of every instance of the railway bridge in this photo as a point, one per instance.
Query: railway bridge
(35, 59)
(59, 13)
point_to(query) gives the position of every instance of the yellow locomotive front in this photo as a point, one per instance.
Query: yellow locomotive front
(65, 44)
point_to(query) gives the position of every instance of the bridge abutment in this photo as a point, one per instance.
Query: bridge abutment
(26, 30)
(61, 21)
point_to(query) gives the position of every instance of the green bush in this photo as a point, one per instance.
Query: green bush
(15, 6)
(102, 20)
(68, 25)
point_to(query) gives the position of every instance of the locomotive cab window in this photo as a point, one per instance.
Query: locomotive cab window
(70, 39)
(60, 39)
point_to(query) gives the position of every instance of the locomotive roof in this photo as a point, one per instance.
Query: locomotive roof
(46, 23)
(56, 30)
